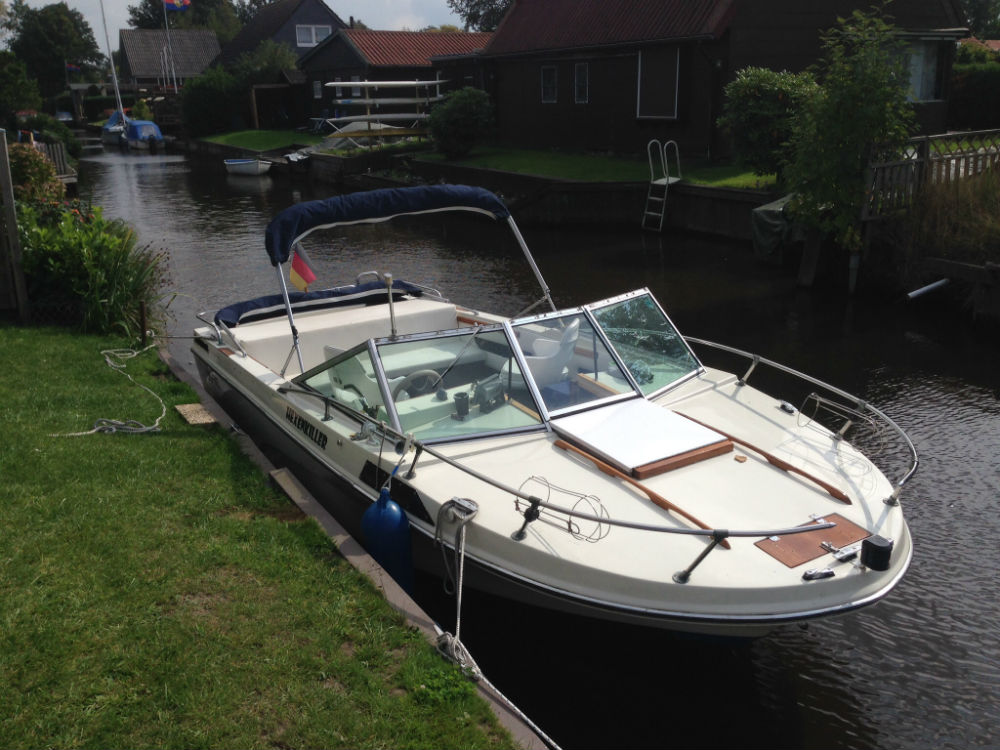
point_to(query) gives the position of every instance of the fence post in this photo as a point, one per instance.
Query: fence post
(13, 290)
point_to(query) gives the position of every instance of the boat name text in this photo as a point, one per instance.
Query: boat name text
(309, 430)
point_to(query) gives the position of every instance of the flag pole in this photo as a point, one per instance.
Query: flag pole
(291, 323)
(170, 47)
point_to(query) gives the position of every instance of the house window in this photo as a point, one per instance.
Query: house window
(581, 83)
(355, 90)
(317, 89)
(659, 73)
(922, 65)
(310, 36)
(548, 84)
(338, 91)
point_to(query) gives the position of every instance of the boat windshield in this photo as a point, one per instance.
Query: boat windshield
(646, 340)
(569, 362)
(456, 384)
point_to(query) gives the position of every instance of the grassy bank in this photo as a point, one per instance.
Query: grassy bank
(547, 163)
(266, 140)
(600, 168)
(158, 592)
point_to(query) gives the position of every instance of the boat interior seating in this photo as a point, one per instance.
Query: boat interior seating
(549, 363)
(268, 342)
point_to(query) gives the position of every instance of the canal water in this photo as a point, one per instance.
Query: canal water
(919, 670)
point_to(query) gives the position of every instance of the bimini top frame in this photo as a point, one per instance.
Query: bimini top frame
(295, 223)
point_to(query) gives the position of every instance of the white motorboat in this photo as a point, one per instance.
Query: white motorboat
(247, 166)
(581, 459)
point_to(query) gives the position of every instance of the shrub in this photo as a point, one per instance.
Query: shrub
(33, 175)
(861, 113)
(209, 102)
(50, 130)
(141, 110)
(974, 103)
(760, 105)
(87, 270)
(457, 123)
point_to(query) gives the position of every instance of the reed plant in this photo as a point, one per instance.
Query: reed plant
(87, 271)
(158, 592)
(958, 220)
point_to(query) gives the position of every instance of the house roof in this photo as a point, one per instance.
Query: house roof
(529, 24)
(266, 23)
(991, 44)
(193, 51)
(412, 48)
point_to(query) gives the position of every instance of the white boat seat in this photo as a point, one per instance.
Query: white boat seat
(549, 364)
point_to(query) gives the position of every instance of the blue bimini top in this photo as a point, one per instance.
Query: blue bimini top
(295, 222)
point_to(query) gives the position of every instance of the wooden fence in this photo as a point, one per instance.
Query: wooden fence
(933, 159)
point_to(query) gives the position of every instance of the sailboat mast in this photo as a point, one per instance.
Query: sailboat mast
(111, 59)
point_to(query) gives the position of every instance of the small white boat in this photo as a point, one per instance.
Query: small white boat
(247, 166)
(582, 459)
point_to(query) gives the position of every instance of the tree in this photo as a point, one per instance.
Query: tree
(48, 39)
(481, 15)
(983, 17)
(247, 9)
(264, 64)
(860, 113)
(219, 16)
(17, 90)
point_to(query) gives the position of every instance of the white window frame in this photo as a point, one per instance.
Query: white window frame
(306, 34)
(338, 91)
(554, 98)
(581, 76)
(317, 89)
(677, 87)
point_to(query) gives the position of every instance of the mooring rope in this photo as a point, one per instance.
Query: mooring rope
(451, 646)
(116, 359)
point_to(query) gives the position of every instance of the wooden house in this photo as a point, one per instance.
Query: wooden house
(301, 25)
(356, 55)
(612, 74)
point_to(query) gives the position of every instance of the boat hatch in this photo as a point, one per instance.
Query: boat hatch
(641, 438)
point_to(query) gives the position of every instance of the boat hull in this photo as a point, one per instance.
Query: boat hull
(347, 497)
(251, 167)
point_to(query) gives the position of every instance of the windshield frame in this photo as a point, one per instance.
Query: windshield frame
(699, 368)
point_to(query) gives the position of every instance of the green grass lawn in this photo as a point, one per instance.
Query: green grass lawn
(601, 168)
(266, 140)
(547, 163)
(157, 592)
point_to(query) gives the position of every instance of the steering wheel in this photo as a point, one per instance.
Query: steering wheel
(430, 378)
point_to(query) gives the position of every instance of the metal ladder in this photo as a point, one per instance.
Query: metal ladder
(660, 181)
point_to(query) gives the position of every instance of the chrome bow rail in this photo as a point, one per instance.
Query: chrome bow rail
(856, 410)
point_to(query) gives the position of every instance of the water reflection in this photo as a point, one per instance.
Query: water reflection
(919, 670)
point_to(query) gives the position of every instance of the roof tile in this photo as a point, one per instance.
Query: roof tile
(193, 51)
(413, 48)
(531, 24)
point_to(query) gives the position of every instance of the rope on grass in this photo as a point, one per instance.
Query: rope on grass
(116, 359)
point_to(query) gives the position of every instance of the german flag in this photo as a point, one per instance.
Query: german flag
(301, 273)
